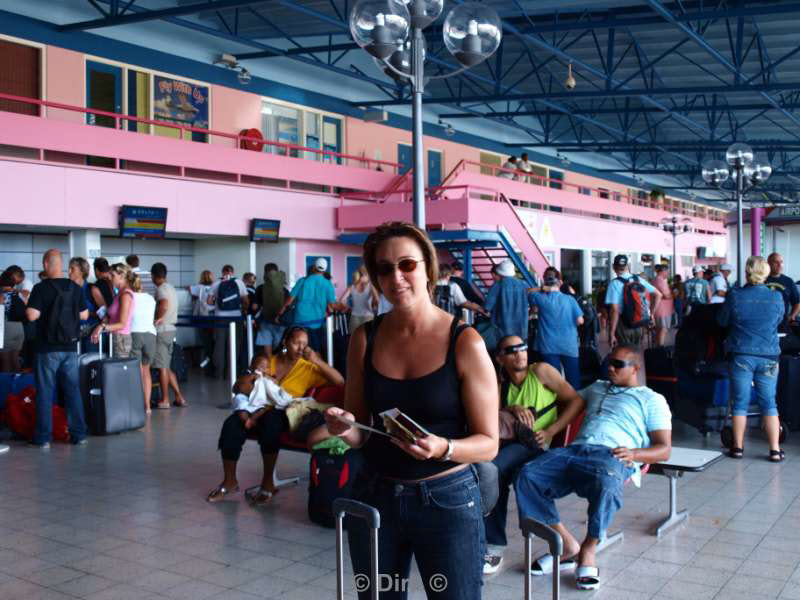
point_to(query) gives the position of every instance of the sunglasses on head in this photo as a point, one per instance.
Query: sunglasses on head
(405, 265)
(618, 363)
(515, 348)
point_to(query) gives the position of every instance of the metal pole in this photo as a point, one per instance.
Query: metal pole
(739, 226)
(232, 352)
(249, 339)
(329, 338)
(418, 86)
(674, 247)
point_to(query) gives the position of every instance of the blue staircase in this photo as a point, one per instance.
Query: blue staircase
(477, 250)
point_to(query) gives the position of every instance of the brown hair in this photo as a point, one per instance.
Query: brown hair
(400, 229)
(125, 271)
(206, 277)
(81, 264)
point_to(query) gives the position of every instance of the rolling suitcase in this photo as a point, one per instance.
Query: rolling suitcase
(115, 399)
(531, 529)
(789, 390)
(659, 365)
(342, 506)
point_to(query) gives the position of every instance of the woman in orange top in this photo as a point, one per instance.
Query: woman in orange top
(297, 368)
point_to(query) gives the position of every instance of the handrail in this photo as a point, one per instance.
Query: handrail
(119, 118)
(460, 166)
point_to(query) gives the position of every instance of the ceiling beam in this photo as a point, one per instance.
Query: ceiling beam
(152, 15)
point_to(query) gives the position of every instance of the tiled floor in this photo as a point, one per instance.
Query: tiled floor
(125, 518)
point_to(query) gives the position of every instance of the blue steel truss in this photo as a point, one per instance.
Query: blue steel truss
(662, 86)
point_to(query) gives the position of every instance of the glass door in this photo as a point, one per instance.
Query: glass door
(332, 138)
(434, 168)
(103, 92)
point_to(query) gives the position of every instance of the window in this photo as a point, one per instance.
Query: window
(20, 75)
(538, 175)
(298, 127)
(585, 191)
(603, 193)
(281, 124)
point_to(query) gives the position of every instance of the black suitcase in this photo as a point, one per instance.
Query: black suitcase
(115, 402)
(590, 365)
(178, 363)
(661, 376)
(789, 390)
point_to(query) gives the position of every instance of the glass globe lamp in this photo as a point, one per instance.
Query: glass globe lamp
(424, 12)
(760, 173)
(715, 172)
(739, 154)
(472, 32)
(379, 26)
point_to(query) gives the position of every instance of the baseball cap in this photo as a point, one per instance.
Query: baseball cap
(321, 264)
(697, 269)
(620, 260)
(726, 267)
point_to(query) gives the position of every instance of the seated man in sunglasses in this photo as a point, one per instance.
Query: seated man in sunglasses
(536, 404)
(625, 424)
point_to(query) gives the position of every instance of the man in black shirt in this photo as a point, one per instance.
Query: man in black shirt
(56, 306)
(457, 277)
(781, 283)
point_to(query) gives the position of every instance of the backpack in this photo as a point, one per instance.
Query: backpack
(443, 298)
(63, 326)
(635, 303)
(331, 476)
(695, 292)
(228, 297)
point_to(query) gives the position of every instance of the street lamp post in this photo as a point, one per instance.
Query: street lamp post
(472, 32)
(676, 227)
(738, 166)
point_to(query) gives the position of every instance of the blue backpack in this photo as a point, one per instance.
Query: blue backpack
(228, 297)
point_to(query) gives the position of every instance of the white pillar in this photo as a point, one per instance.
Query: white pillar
(252, 267)
(85, 243)
(586, 271)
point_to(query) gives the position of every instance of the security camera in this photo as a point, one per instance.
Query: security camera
(244, 76)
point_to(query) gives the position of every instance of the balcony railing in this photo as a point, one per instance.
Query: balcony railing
(129, 123)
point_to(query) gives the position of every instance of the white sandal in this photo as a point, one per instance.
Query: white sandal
(587, 578)
(544, 565)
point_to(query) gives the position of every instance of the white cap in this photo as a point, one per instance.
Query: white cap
(697, 269)
(726, 267)
(321, 264)
(506, 268)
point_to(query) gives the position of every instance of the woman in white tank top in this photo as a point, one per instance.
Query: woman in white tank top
(364, 299)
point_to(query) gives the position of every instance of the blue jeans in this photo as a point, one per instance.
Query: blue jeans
(508, 462)
(590, 471)
(57, 370)
(747, 370)
(438, 522)
(571, 364)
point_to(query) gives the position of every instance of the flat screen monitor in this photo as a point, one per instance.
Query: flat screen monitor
(264, 230)
(142, 222)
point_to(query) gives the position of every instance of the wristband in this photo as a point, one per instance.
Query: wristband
(449, 453)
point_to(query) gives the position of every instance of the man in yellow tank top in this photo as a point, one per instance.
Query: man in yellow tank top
(542, 404)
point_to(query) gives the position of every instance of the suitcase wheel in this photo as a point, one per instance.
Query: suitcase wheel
(726, 436)
(784, 432)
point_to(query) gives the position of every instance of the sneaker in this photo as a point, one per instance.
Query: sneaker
(81, 442)
(491, 564)
(42, 445)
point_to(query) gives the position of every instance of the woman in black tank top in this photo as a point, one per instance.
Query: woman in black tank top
(419, 359)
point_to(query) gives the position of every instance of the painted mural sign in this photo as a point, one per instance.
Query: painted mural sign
(180, 102)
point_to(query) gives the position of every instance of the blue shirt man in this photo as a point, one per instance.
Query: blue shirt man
(557, 332)
(621, 334)
(507, 302)
(696, 289)
(314, 296)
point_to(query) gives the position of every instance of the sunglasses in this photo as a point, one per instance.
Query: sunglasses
(406, 265)
(620, 364)
(514, 349)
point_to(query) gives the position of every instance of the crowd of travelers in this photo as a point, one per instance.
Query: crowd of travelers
(478, 392)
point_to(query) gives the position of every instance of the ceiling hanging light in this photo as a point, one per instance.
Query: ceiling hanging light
(570, 82)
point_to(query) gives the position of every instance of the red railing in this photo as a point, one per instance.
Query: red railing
(121, 119)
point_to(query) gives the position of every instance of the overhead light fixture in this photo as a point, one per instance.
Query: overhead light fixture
(449, 131)
(570, 82)
(229, 61)
(564, 160)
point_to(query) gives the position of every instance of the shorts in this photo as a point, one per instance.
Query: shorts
(664, 322)
(143, 347)
(163, 354)
(269, 334)
(122, 343)
(13, 336)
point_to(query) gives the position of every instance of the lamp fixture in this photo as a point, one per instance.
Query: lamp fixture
(570, 82)
(229, 61)
(449, 131)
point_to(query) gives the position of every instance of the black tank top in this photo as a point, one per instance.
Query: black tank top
(433, 401)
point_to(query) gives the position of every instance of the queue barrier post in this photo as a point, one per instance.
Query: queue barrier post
(232, 352)
(329, 338)
(249, 339)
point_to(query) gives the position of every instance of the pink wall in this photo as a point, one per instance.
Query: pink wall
(233, 110)
(65, 82)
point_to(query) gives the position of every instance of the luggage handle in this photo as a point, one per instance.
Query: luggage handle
(555, 543)
(342, 506)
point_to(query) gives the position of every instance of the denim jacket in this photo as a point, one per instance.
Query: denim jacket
(507, 302)
(752, 315)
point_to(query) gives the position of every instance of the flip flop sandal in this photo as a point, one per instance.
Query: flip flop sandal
(161, 406)
(183, 404)
(544, 565)
(587, 578)
(736, 452)
(218, 493)
(257, 496)
(776, 456)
